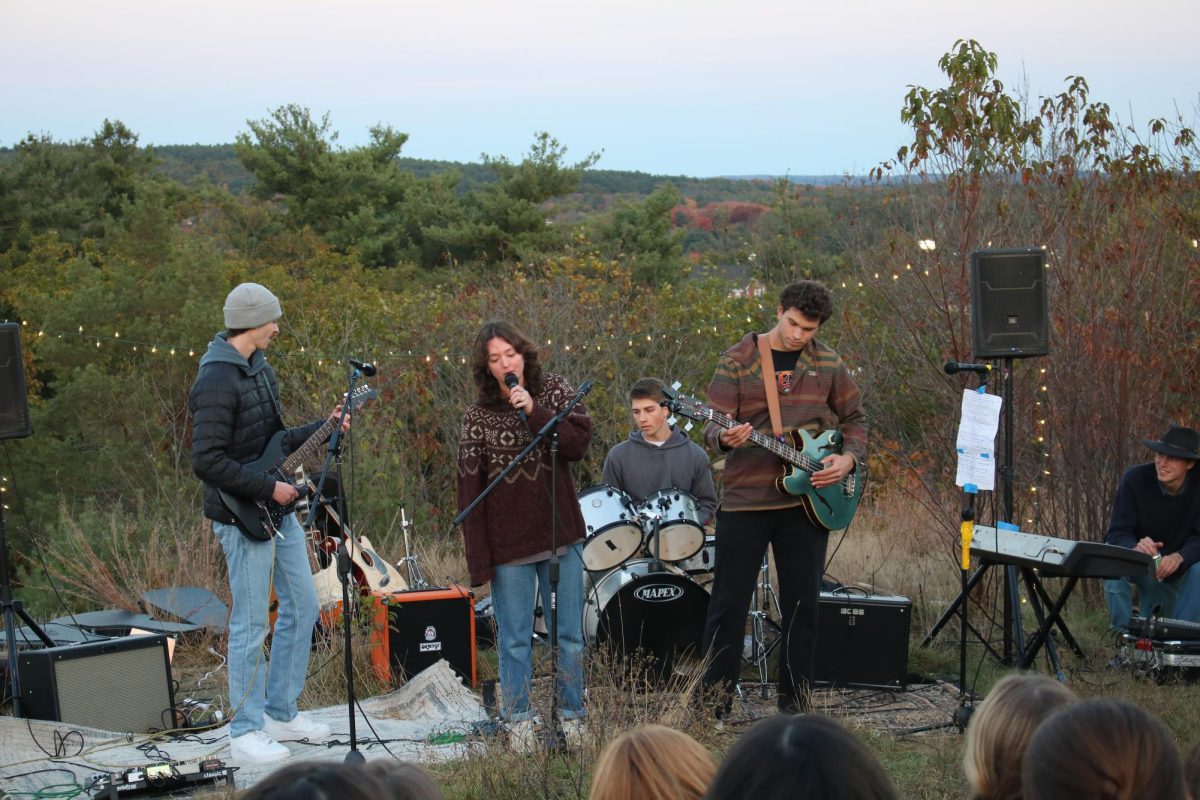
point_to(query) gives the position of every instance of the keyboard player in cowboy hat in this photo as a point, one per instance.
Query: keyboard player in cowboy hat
(1157, 512)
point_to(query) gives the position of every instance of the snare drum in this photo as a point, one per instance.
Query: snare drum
(614, 534)
(660, 613)
(681, 529)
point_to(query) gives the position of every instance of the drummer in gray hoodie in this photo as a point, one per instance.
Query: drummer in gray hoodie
(656, 456)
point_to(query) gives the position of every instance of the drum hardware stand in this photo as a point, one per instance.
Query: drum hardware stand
(344, 566)
(554, 736)
(762, 602)
(416, 577)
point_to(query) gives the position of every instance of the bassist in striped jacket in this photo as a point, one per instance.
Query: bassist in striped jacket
(815, 391)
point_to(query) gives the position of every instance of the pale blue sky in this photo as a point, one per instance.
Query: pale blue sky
(698, 88)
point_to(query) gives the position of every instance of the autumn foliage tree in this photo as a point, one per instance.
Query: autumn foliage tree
(1115, 209)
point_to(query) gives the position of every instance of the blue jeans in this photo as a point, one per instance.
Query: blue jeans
(514, 591)
(1178, 597)
(254, 686)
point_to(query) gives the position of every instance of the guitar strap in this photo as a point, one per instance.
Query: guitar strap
(769, 387)
(274, 400)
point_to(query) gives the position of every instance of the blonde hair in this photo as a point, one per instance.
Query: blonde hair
(652, 762)
(1001, 728)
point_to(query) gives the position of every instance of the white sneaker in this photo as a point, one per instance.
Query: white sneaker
(523, 736)
(573, 731)
(299, 727)
(256, 747)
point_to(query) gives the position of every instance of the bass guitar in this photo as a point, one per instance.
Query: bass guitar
(830, 507)
(260, 519)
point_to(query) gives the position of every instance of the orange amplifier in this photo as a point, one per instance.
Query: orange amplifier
(412, 630)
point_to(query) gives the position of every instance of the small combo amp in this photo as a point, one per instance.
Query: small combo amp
(161, 779)
(114, 684)
(412, 630)
(862, 641)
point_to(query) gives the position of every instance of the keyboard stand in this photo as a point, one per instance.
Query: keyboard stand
(1039, 601)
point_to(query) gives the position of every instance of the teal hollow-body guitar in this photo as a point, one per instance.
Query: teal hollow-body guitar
(831, 507)
(260, 519)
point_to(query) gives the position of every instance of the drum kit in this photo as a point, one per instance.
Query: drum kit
(645, 565)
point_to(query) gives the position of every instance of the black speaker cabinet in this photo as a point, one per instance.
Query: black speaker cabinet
(1010, 316)
(115, 684)
(14, 406)
(413, 630)
(863, 641)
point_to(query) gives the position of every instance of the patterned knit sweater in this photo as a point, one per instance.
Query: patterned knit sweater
(513, 522)
(823, 396)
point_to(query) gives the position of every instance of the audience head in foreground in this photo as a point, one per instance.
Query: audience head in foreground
(328, 780)
(1000, 730)
(807, 756)
(1103, 750)
(652, 762)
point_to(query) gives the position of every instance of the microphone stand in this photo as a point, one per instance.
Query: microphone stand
(334, 453)
(553, 735)
(966, 532)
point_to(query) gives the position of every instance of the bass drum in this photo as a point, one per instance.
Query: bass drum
(653, 618)
(613, 532)
(680, 529)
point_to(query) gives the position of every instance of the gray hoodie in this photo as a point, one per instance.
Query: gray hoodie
(641, 469)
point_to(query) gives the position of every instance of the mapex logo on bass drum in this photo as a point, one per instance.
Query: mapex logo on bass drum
(658, 593)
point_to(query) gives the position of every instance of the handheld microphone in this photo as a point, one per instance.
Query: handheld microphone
(510, 380)
(957, 366)
(366, 369)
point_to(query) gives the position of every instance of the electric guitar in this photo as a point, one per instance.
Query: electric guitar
(260, 519)
(831, 507)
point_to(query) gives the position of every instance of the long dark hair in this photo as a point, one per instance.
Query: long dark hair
(485, 383)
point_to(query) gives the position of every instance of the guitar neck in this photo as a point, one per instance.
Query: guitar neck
(297, 457)
(785, 451)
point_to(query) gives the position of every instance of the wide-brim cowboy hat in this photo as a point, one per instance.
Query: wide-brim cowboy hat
(1178, 441)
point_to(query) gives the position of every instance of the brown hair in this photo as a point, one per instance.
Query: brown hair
(1000, 730)
(404, 780)
(652, 762)
(316, 780)
(805, 755)
(647, 389)
(1191, 771)
(809, 298)
(485, 383)
(1103, 750)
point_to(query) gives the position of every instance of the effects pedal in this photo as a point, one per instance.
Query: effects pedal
(165, 778)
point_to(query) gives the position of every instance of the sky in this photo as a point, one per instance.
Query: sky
(699, 88)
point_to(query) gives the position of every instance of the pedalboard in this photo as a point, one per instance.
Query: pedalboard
(165, 778)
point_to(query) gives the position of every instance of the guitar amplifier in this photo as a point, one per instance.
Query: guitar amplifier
(863, 641)
(115, 684)
(412, 630)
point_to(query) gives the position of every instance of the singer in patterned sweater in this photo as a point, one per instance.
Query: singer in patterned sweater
(507, 537)
(816, 392)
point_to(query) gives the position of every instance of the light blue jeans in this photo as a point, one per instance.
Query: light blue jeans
(1178, 597)
(254, 686)
(514, 590)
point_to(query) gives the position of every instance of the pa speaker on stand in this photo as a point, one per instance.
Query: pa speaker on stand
(1009, 313)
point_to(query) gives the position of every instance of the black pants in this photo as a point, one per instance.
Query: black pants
(799, 547)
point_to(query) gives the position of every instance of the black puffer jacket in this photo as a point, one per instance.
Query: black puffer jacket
(233, 418)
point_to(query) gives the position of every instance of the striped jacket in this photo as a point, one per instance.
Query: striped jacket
(823, 396)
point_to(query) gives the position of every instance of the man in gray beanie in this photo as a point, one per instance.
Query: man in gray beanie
(234, 403)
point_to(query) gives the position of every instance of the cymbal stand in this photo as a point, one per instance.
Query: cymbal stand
(410, 562)
(764, 630)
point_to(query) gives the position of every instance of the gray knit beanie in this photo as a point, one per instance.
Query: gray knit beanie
(250, 305)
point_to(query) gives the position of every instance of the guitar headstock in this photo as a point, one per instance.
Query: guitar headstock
(361, 395)
(686, 406)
